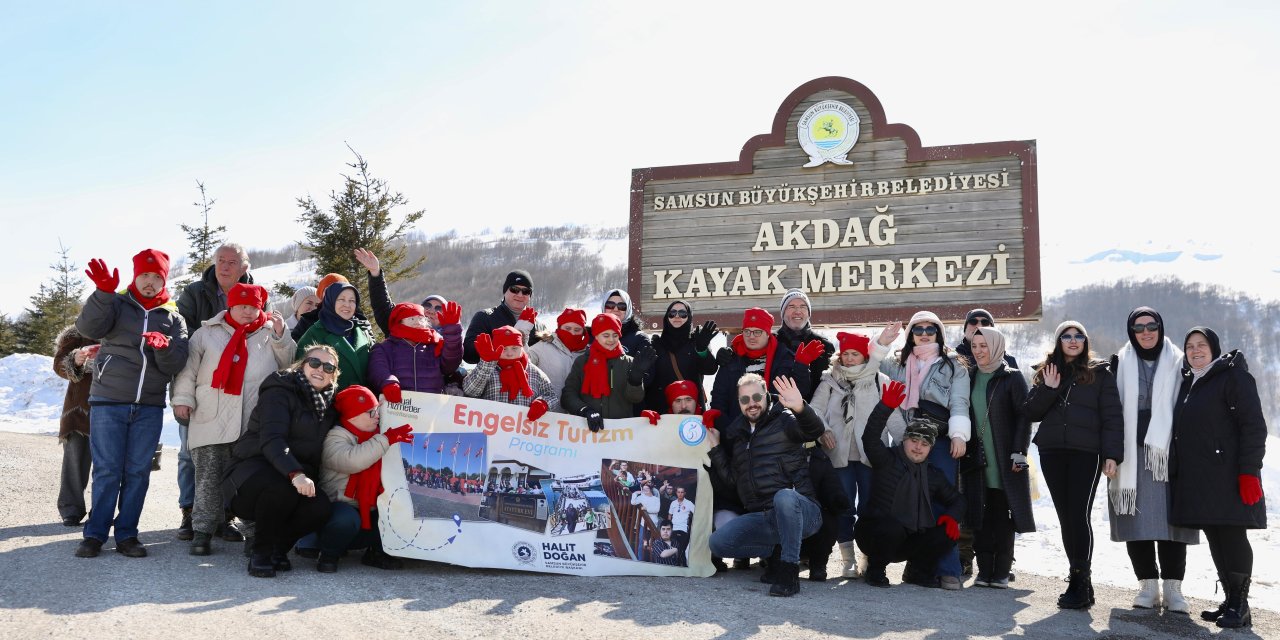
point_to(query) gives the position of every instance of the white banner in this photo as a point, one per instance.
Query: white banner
(481, 486)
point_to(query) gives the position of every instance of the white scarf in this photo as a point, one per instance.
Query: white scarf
(1164, 394)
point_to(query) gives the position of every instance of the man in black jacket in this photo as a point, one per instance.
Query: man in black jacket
(797, 334)
(513, 311)
(757, 351)
(900, 524)
(769, 465)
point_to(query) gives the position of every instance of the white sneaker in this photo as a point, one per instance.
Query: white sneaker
(849, 561)
(1173, 600)
(1148, 594)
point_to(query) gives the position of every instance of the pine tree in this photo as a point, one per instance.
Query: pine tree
(204, 240)
(359, 216)
(8, 336)
(54, 306)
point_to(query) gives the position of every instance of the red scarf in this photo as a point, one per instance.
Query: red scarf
(229, 376)
(364, 486)
(740, 348)
(571, 342)
(595, 373)
(151, 303)
(421, 336)
(514, 377)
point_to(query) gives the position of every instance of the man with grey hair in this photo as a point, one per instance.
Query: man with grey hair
(200, 301)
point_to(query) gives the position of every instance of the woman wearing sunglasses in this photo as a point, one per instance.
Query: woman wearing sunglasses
(276, 462)
(343, 329)
(1081, 435)
(1148, 370)
(683, 353)
(937, 384)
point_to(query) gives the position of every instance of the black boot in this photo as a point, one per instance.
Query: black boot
(719, 564)
(986, 567)
(818, 568)
(1079, 594)
(260, 565)
(200, 544)
(788, 583)
(227, 530)
(874, 574)
(185, 532)
(1236, 614)
(1212, 615)
(770, 575)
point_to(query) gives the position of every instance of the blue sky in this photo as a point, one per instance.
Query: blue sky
(1154, 121)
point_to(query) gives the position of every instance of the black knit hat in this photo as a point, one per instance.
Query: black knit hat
(519, 277)
(979, 313)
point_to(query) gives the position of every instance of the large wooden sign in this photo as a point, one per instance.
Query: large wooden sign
(851, 209)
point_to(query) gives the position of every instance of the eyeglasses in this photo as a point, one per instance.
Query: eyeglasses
(926, 330)
(746, 400)
(677, 313)
(1153, 327)
(980, 321)
(521, 291)
(317, 363)
(620, 306)
(753, 333)
(1072, 337)
(438, 308)
(372, 413)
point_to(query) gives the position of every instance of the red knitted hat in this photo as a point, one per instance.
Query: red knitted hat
(855, 341)
(757, 318)
(406, 310)
(507, 337)
(681, 388)
(572, 316)
(242, 293)
(353, 401)
(605, 322)
(151, 261)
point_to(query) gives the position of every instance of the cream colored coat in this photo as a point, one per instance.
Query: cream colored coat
(344, 456)
(217, 417)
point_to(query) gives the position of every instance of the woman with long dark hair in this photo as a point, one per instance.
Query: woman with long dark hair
(1073, 397)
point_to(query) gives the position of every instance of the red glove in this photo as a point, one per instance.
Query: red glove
(953, 527)
(1250, 489)
(537, 408)
(651, 415)
(155, 340)
(391, 391)
(709, 418)
(807, 352)
(484, 346)
(402, 433)
(894, 393)
(529, 314)
(450, 314)
(97, 272)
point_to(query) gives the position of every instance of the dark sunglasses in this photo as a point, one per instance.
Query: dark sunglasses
(317, 363)
(677, 313)
(746, 400)
(926, 330)
(521, 291)
(620, 306)
(1153, 327)
(1072, 337)
(982, 321)
(435, 307)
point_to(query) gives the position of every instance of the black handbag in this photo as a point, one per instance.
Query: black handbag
(938, 414)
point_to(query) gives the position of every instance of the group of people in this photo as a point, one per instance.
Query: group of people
(815, 445)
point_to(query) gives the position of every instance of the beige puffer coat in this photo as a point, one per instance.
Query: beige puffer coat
(344, 456)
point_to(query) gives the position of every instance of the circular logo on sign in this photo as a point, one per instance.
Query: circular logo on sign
(692, 432)
(827, 131)
(523, 552)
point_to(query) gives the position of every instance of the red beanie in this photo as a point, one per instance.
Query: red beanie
(757, 318)
(572, 316)
(242, 293)
(507, 337)
(605, 322)
(151, 261)
(855, 341)
(328, 279)
(353, 401)
(681, 388)
(406, 310)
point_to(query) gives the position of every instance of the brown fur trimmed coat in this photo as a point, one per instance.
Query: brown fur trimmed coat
(75, 405)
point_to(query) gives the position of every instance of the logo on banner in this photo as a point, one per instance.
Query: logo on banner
(827, 132)
(524, 552)
(692, 432)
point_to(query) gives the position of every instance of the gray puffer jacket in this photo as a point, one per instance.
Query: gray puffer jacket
(946, 383)
(126, 370)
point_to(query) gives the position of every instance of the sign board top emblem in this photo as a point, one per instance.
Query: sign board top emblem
(827, 132)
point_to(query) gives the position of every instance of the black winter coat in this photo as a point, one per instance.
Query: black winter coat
(792, 340)
(1219, 432)
(724, 392)
(763, 462)
(692, 366)
(199, 300)
(1011, 432)
(1079, 417)
(284, 433)
(889, 467)
(485, 321)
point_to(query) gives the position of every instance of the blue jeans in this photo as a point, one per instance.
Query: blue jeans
(186, 472)
(855, 478)
(940, 457)
(122, 441)
(343, 532)
(753, 535)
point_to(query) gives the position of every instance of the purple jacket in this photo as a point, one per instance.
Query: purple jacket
(415, 366)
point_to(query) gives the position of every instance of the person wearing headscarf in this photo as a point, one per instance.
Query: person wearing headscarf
(308, 318)
(994, 470)
(682, 353)
(1215, 464)
(340, 327)
(1148, 372)
(555, 353)
(415, 356)
(1081, 435)
(974, 320)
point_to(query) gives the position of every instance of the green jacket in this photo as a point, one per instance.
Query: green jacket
(620, 403)
(353, 361)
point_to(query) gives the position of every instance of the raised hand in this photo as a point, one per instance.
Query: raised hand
(807, 352)
(277, 324)
(369, 261)
(789, 394)
(703, 335)
(155, 340)
(1052, 378)
(724, 356)
(641, 361)
(450, 314)
(97, 272)
(893, 394)
(529, 315)
(402, 433)
(650, 415)
(537, 409)
(485, 347)
(392, 392)
(709, 418)
(889, 333)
